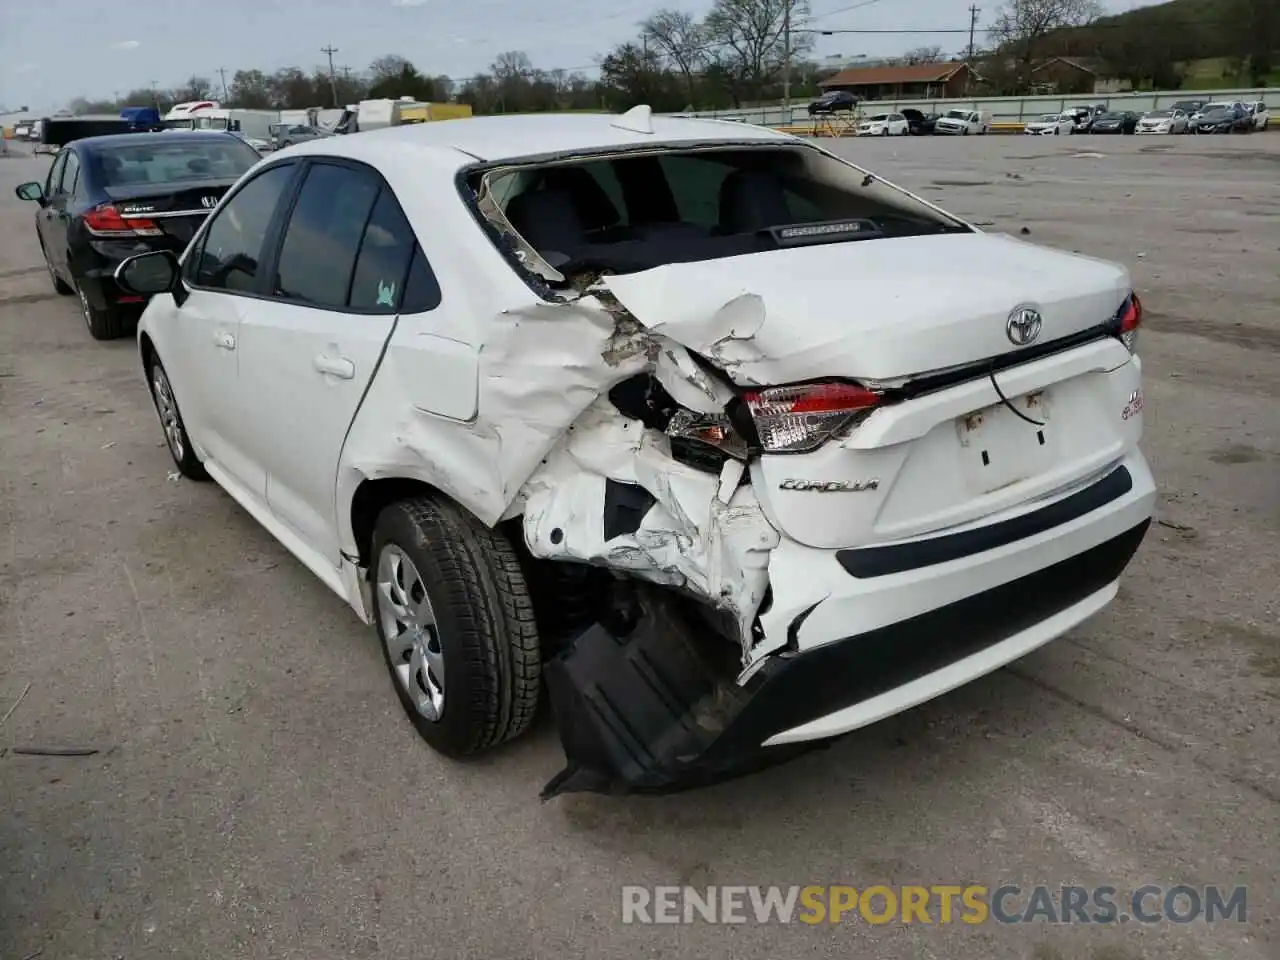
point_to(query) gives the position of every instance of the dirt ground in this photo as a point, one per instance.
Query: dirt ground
(258, 792)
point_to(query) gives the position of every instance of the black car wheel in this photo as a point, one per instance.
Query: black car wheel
(457, 625)
(104, 324)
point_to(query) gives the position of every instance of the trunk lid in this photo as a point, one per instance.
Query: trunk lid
(890, 309)
(869, 310)
(177, 209)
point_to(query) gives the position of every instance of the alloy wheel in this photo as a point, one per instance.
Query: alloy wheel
(410, 632)
(167, 407)
(85, 310)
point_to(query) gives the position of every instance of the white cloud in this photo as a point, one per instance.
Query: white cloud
(407, 3)
(26, 68)
(126, 45)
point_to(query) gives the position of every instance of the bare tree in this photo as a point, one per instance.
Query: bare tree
(682, 42)
(512, 65)
(1021, 25)
(512, 72)
(923, 55)
(196, 88)
(748, 39)
(388, 66)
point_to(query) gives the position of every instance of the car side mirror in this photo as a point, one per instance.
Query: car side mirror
(147, 274)
(31, 191)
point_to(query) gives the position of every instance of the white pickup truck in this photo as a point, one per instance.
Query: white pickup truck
(963, 122)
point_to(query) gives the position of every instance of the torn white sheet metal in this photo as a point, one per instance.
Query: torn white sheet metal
(539, 368)
(705, 533)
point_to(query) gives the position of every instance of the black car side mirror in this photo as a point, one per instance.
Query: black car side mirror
(31, 191)
(147, 274)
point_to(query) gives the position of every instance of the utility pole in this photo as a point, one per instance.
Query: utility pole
(333, 81)
(222, 72)
(155, 97)
(974, 10)
(786, 61)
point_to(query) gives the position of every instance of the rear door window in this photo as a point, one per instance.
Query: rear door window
(322, 239)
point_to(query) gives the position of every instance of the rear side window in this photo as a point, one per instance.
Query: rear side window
(232, 246)
(55, 173)
(421, 290)
(383, 260)
(71, 174)
(322, 240)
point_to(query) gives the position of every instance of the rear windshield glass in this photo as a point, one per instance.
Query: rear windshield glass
(182, 159)
(626, 213)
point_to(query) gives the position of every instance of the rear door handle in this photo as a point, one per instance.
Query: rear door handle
(224, 340)
(339, 367)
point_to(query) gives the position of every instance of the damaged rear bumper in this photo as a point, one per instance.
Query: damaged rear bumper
(646, 713)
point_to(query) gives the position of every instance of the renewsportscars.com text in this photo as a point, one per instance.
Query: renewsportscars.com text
(937, 904)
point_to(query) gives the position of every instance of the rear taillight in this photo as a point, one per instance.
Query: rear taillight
(105, 220)
(801, 418)
(1128, 320)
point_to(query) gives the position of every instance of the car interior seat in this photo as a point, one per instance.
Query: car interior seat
(594, 208)
(548, 219)
(751, 200)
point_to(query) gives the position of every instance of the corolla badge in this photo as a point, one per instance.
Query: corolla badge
(1023, 325)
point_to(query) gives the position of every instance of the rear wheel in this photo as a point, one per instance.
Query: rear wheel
(105, 324)
(457, 626)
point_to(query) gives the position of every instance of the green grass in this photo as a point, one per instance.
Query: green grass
(1216, 73)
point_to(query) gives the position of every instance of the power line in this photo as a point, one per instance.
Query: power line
(333, 82)
(852, 6)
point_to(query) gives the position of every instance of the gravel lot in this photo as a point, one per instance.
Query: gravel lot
(259, 794)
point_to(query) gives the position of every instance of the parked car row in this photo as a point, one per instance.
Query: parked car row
(911, 122)
(1185, 116)
(474, 377)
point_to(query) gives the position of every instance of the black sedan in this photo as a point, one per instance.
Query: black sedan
(837, 101)
(1223, 120)
(920, 124)
(107, 198)
(1126, 122)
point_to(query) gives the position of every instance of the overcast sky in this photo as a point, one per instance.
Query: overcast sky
(54, 50)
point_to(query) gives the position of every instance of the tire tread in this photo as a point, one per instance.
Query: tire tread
(481, 580)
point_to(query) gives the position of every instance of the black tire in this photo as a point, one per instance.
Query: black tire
(287, 143)
(108, 324)
(487, 634)
(180, 449)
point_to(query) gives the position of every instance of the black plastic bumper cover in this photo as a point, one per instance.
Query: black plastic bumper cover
(647, 713)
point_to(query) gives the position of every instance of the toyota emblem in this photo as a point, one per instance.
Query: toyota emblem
(1023, 326)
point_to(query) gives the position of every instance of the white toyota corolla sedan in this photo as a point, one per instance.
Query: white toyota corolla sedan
(585, 409)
